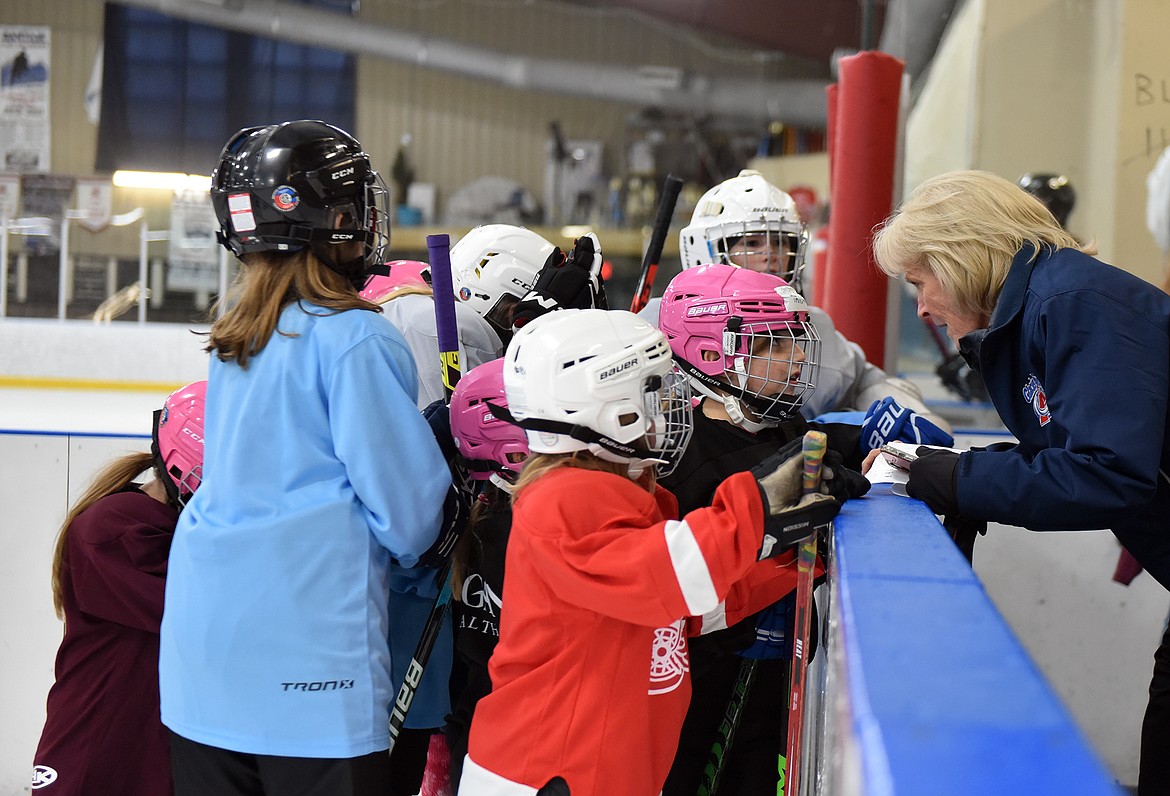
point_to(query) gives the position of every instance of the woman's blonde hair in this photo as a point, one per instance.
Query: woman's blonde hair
(266, 284)
(965, 227)
(114, 477)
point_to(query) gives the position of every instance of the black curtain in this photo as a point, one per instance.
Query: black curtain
(173, 91)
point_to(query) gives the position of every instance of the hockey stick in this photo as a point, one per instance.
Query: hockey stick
(439, 248)
(814, 454)
(714, 768)
(670, 191)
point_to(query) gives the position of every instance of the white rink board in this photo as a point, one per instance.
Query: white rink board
(40, 476)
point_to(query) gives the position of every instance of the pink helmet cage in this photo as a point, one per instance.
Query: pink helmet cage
(487, 443)
(177, 441)
(718, 308)
(403, 273)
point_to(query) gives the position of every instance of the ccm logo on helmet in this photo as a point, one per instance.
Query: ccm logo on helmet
(708, 309)
(616, 369)
(337, 175)
(342, 236)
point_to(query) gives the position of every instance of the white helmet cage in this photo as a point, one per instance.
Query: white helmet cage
(602, 381)
(749, 211)
(493, 266)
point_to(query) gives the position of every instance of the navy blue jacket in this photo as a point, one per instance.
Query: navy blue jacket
(1077, 362)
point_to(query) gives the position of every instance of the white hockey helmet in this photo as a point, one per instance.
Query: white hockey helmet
(600, 381)
(749, 222)
(493, 266)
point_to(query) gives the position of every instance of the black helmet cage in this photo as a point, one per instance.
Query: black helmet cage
(302, 184)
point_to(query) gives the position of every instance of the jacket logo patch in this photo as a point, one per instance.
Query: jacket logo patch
(668, 658)
(1034, 394)
(42, 776)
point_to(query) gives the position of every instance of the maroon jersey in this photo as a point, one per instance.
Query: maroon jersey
(103, 733)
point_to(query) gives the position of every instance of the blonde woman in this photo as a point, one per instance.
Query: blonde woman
(275, 667)
(1076, 357)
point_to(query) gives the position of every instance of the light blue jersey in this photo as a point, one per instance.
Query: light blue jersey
(318, 469)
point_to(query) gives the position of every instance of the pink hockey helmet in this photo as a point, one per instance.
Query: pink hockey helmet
(403, 273)
(489, 446)
(177, 441)
(716, 316)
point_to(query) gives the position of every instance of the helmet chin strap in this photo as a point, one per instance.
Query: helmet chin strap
(501, 483)
(736, 415)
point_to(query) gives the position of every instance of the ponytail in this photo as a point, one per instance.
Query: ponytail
(114, 477)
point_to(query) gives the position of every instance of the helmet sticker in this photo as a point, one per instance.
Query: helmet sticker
(285, 198)
(465, 294)
(240, 208)
(166, 413)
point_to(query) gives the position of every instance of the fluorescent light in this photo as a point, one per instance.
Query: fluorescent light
(168, 181)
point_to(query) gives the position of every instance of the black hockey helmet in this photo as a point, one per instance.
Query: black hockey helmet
(285, 187)
(1054, 191)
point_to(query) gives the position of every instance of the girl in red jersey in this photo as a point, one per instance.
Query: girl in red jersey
(603, 581)
(103, 733)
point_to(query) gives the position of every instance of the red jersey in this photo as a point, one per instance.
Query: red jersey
(103, 733)
(590, 677)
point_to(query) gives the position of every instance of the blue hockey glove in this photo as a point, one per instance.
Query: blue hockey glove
(772, 631)
(887, 421)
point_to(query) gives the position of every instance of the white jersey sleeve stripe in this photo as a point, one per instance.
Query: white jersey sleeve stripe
(690, 567)
(715, 619)
(478, 780)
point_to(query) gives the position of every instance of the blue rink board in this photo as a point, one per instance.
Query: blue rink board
(944, 699)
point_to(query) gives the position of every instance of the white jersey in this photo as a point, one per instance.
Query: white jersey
(413, 314)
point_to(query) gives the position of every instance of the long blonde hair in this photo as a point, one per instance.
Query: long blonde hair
(965, 227)
(266, 284)
(114, 477)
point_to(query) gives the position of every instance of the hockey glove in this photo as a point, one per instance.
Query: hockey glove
(886, 421)
(772, 637)
(839, 481)
(455, 514)
(457, 504)
(932, 480)
(789, 516)
(565, 282)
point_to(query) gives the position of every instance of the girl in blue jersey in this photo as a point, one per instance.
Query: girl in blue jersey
(320, 473)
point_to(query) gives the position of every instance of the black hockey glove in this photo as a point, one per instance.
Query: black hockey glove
(565, 282)
(932, 480)
(457, 504)
(789, 515)
(455, 513)
(839, 481)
